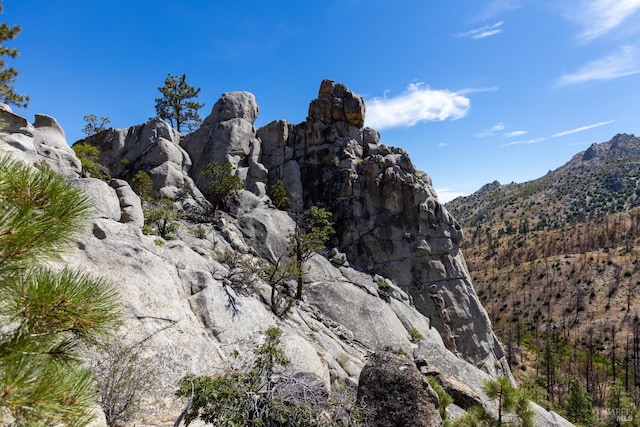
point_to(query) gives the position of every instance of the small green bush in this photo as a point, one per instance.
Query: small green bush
(160, 219)
(89, 157)
(142, 185)
(279, 195)
(415, 335)
(444, 398)
(382, 284)
(224, 183)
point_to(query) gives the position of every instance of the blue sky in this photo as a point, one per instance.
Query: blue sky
(475, 90)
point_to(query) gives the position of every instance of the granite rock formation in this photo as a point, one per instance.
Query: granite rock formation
(389, 218)
(153, 147)
(395, 266)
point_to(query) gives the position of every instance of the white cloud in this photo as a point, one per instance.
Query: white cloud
(598, 17)
(476, 90)
(624, 62)
(442, 145)
(446, 195)
(527, 142)
(490, 132)
(581, 129)
(481, 33)
(515, 134)
(416, 104)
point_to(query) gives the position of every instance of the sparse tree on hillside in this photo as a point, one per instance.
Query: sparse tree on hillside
(175, 105)
(46, 314)
(577, 406)
(93, 125)
(313, 230)
(8, 74)
(160, 219)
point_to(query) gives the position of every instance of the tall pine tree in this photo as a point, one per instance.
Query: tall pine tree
(175, 105)
(8, 74)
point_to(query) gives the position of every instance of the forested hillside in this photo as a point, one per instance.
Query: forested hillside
(556, 263)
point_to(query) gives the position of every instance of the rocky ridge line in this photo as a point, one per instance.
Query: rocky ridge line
(390, 225)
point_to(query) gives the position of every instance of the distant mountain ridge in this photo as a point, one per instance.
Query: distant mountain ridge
(556, 263)
(601, 180)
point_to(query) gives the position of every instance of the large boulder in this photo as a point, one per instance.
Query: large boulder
(227, 135)
(16, 136)
(44, 141)
(51, 145)
(396, 394)
(336, 103)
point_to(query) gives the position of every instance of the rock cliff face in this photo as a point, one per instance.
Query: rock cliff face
(179, 295)
(389, 218)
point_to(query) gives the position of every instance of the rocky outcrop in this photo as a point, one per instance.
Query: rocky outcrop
(227, 135)
(44, 141)
(153, 147)
(396, 394)
(395, 266)
(337, 103)
(388, 217)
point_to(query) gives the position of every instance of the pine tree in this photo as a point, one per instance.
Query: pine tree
(512, 405)
(8, 74)
(225, 182)
(578, 407)
(313, 230)
(46, 314)
(94, 125)
(175, 106)
(279, 195)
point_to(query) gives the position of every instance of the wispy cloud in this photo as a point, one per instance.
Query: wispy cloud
(482, 32)
(623, 62)
(497, 7)
(446, 195)
(525, 142)
(477, 90)
(515, 134)
(555, 135)
(416, 104)
(598, 17)
(442, 145)
(491, 131)
(581, 128)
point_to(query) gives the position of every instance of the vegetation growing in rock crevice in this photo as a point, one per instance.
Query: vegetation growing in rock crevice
(89, 157)
(225, 184)
(512, 407)
(142, 184)
(312, 232)
(279, 195)
(122, 377)
(265, 394)
(160, 219)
